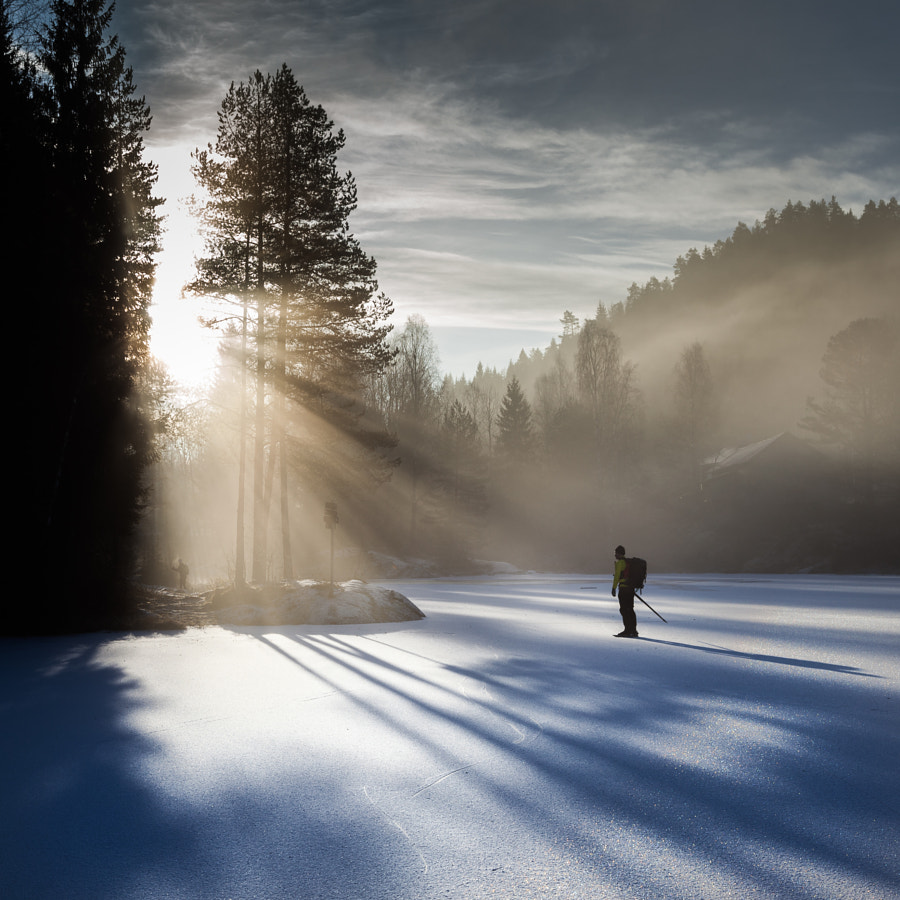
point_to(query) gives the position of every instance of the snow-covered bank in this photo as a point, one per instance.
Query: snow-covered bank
(504, 746)
(315, 603)
(306, 602)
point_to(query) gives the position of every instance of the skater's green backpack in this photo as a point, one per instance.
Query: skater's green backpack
(635, 571)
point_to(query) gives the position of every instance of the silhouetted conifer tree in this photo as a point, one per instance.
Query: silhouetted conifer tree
(91, 253)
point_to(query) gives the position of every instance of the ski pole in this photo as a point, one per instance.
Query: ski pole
(655, 613)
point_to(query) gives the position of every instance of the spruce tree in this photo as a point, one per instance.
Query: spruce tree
(515, 427)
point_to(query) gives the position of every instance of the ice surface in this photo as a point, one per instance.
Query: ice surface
(504, 746)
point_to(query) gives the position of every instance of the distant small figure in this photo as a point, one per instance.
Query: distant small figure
(181, 567)
(626, 595)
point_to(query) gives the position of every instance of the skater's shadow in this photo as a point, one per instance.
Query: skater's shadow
(766, 658)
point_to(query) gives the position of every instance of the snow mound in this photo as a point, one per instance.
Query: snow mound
(315, 603)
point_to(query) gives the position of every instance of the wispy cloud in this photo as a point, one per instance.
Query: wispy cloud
(475, 216)
(515, 159)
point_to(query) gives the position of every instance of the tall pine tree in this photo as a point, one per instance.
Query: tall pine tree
(276, 212)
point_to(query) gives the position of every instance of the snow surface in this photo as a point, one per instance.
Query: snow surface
(504, 746)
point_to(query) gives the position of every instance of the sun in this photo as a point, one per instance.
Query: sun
(188, 350)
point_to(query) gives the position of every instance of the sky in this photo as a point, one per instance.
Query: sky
(515, 158)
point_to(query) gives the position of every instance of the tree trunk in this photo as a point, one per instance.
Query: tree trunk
(286, 554)
(240, 565)
(260, 513)
(280, 399)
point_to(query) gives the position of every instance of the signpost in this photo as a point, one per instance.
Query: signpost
(331, 522)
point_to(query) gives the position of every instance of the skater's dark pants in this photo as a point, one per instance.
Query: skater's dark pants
(626, 607)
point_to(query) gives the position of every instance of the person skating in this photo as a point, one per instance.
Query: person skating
(626, 595)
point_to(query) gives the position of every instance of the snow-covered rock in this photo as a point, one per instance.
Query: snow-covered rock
(315, 603)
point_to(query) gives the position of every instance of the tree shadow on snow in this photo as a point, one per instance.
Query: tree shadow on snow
(733, 776)
(90, 811)
(78, 821)
(763, 657)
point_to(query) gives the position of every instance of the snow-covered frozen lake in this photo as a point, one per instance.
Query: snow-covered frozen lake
(504, 746)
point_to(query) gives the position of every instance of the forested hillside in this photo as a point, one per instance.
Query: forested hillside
(763, 303)
(741, 415)
(786, 326)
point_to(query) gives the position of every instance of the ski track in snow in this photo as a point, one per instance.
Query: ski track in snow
(398, 826)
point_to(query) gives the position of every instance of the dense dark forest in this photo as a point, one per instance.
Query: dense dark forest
(85, 237)
(740, 415)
